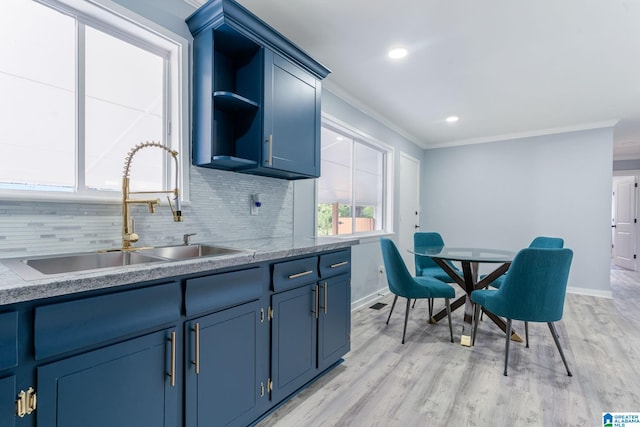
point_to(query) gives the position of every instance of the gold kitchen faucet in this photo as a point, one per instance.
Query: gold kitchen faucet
(129, 235)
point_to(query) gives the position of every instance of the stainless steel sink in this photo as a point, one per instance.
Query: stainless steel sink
(190, 251)
(39, 267)
(46, 266)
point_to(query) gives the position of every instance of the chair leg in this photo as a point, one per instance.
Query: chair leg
(446, 302)
(506, 351)
(406, 318)
(395, 298)
(554, 334)
(475, 321)
(526, 332)
(430, 308)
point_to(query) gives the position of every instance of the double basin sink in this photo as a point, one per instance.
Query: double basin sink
(43, 266)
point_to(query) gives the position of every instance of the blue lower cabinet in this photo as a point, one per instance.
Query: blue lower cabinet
(130, 384)
(293, 339)
(227, 366)
(8, 401)
(334, 320)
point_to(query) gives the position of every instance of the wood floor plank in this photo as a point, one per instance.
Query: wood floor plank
(431, 382)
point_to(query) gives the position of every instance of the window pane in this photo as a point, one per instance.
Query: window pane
(335, 185)
(124, 104)
(37, 106)
(368, 188)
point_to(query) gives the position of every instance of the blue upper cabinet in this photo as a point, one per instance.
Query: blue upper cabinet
(256, 96)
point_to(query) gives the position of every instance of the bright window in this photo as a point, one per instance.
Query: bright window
(78, 94)
(352, 188)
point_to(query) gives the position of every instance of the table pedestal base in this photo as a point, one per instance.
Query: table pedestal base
(468, 283)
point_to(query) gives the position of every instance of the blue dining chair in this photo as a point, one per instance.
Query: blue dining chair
(425, 266)
(402, 284)
(538, 242)
(533, 291)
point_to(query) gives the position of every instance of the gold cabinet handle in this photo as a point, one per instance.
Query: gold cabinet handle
(304, 273)
(196, 362)
(26, 402)
(326, 292)
(172, 373)
(270, 143)
(340, 264)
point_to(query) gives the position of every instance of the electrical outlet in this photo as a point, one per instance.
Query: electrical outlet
(255, 204)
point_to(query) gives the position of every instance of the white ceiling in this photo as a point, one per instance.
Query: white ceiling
(506, 68)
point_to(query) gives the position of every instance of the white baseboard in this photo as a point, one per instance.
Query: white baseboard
(590, 292)
(362, 302)
(355, 305)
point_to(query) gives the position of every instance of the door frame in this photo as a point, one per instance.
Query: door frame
(402, 224)
(635, 208)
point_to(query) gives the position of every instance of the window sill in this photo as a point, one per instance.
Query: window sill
(60, 197)
(365, 237)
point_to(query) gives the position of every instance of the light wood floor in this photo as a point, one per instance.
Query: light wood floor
(431, 382)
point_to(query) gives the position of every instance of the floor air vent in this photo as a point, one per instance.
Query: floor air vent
(378, 305)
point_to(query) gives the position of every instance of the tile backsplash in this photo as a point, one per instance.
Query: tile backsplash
(219, 211)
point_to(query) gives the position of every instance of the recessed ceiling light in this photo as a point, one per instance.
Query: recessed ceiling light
(452, 119)
(398, 53)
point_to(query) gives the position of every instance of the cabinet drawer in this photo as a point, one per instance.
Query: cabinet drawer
(219, 291)
(8, 340)
(335, 263)
(72, 325)
(291, 274)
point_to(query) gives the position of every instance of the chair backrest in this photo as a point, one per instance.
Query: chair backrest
(547, 242)
(398, 275)
(536, 285)
(425, 239)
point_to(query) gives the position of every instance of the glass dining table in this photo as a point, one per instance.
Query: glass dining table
(469, 258)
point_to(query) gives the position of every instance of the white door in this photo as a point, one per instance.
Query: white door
(409, 206)
(624, 235)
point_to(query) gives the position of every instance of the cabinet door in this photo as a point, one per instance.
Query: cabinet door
(293, 339)
(126, 385)
(334, 322)
(7, 401)
(227, 367)
(291, 118)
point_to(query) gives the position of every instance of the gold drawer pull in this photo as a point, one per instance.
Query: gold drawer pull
(172, 374)
(304, 273)
(340, 264)
(326, 293)
(196, 362)
(316, 294)
(270, 156)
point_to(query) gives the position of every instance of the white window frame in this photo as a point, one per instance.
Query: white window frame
(387, 191)
(118, 21)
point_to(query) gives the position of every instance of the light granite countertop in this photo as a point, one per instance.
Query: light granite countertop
(15, 289)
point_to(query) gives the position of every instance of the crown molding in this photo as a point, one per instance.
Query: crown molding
(195, 3)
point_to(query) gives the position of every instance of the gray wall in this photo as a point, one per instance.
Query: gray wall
(503, 194)
(170, 14)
